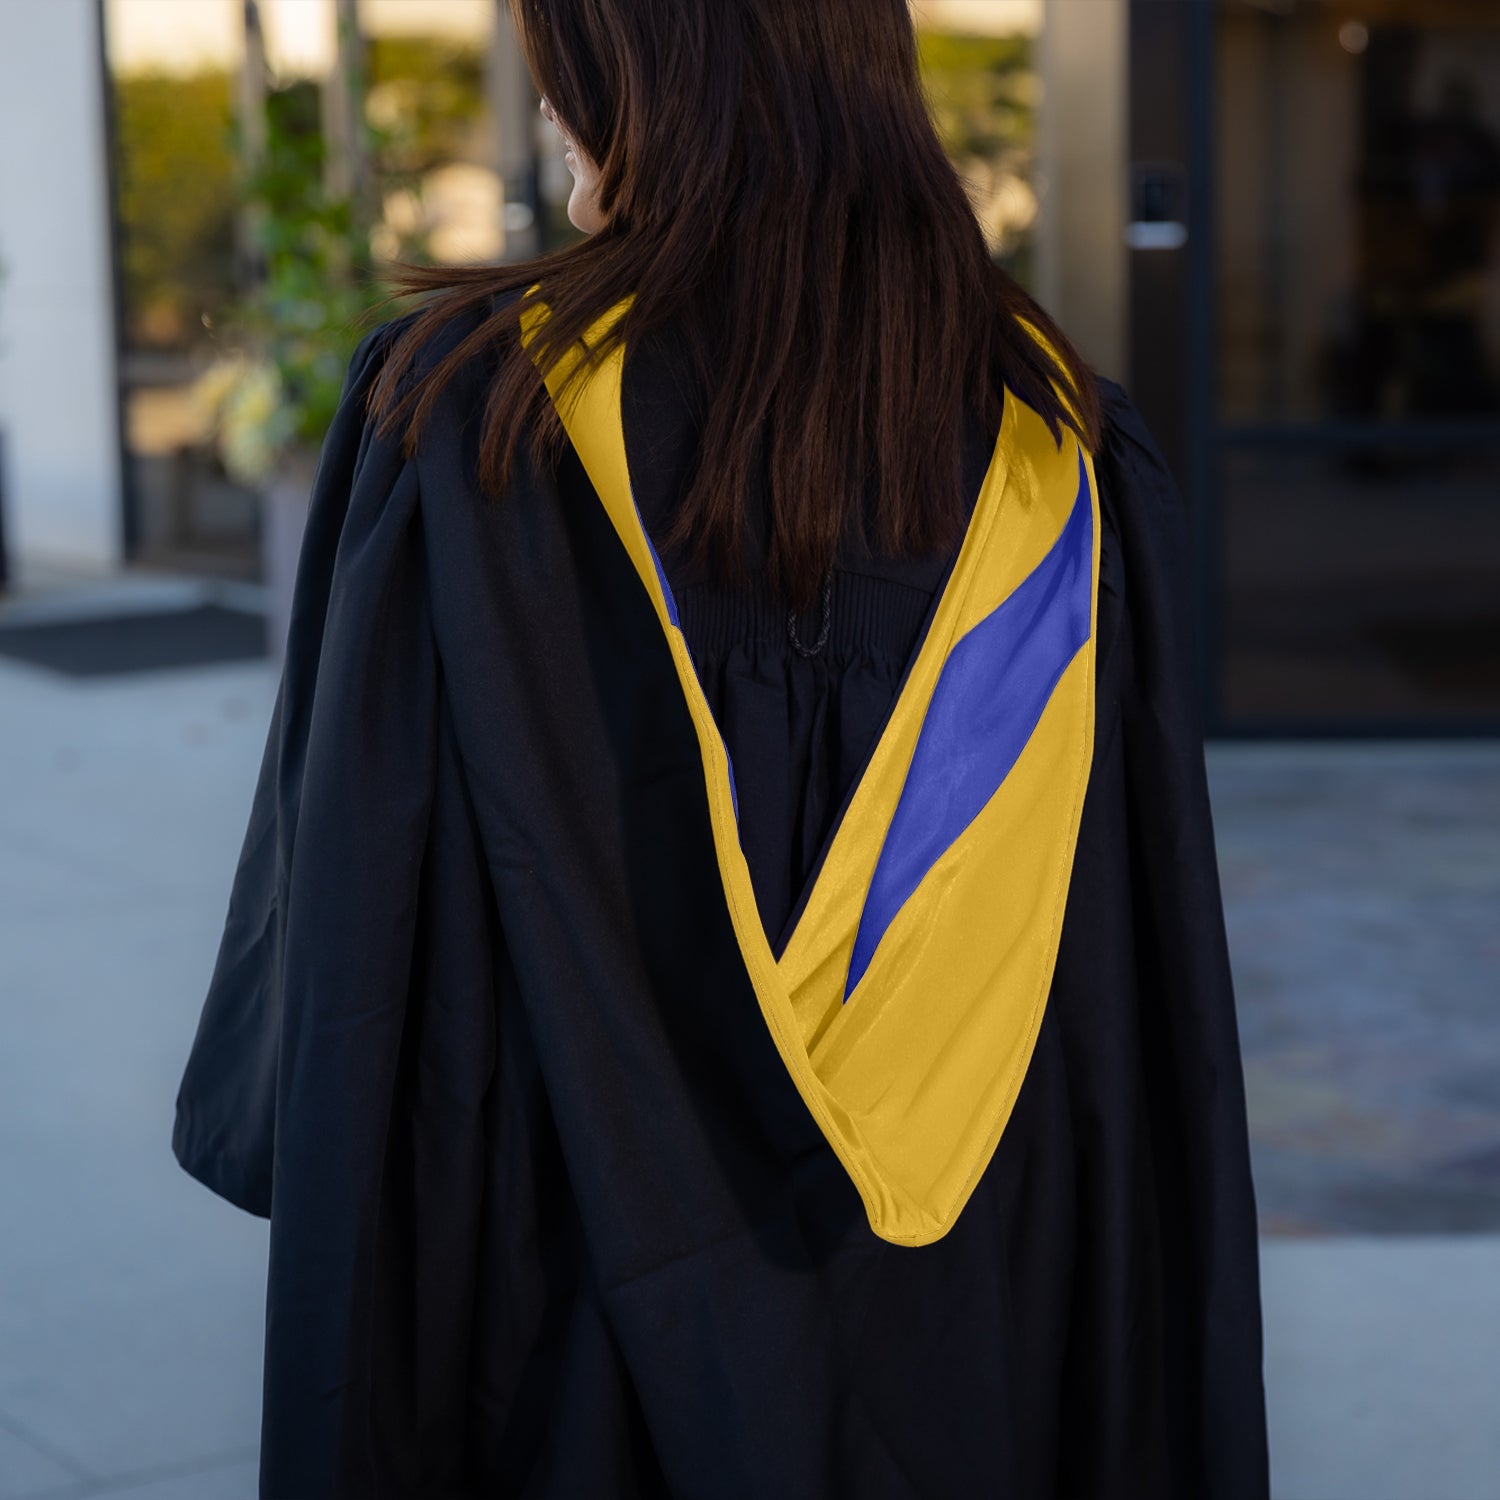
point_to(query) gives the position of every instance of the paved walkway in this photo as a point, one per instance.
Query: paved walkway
(1362, 889)
(131, 1298)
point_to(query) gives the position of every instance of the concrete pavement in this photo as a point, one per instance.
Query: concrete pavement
(131, 1298)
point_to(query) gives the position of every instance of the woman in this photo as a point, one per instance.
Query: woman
(725, 991)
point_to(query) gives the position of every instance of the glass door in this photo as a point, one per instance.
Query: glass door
(1355, 449)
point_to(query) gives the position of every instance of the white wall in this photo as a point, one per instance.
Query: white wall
(62, 481)
(1082, 271)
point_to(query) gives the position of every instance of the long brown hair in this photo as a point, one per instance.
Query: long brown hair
(774, 190)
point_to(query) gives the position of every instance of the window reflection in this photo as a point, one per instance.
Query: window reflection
(1358, 256)
(1359, 210)
(979, 68)
(177, 91)
(1427, 194)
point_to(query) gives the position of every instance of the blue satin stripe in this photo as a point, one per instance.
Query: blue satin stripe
(671, 602)
(990, 695)
(734, 796)
(656, 561)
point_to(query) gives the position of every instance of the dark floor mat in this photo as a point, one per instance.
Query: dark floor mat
(116, 644)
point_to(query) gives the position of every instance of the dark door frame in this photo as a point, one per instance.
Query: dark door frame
(130, 518)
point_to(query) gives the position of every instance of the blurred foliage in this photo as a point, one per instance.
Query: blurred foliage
(284, 341)
(175, 168)
(313, 280)
(983, 92)
(426, 96)
(288, 340)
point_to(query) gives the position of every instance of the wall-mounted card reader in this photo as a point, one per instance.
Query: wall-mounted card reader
(1158, 207)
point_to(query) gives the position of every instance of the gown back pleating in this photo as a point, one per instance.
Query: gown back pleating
(548, 1216)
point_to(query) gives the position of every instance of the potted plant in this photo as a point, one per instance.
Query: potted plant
(268, 401)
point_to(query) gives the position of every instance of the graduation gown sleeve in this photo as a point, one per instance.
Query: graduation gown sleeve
(347, 1040)
(225, 1124)
(1197, 1164)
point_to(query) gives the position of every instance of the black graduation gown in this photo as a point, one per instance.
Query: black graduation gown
(548, 1216)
